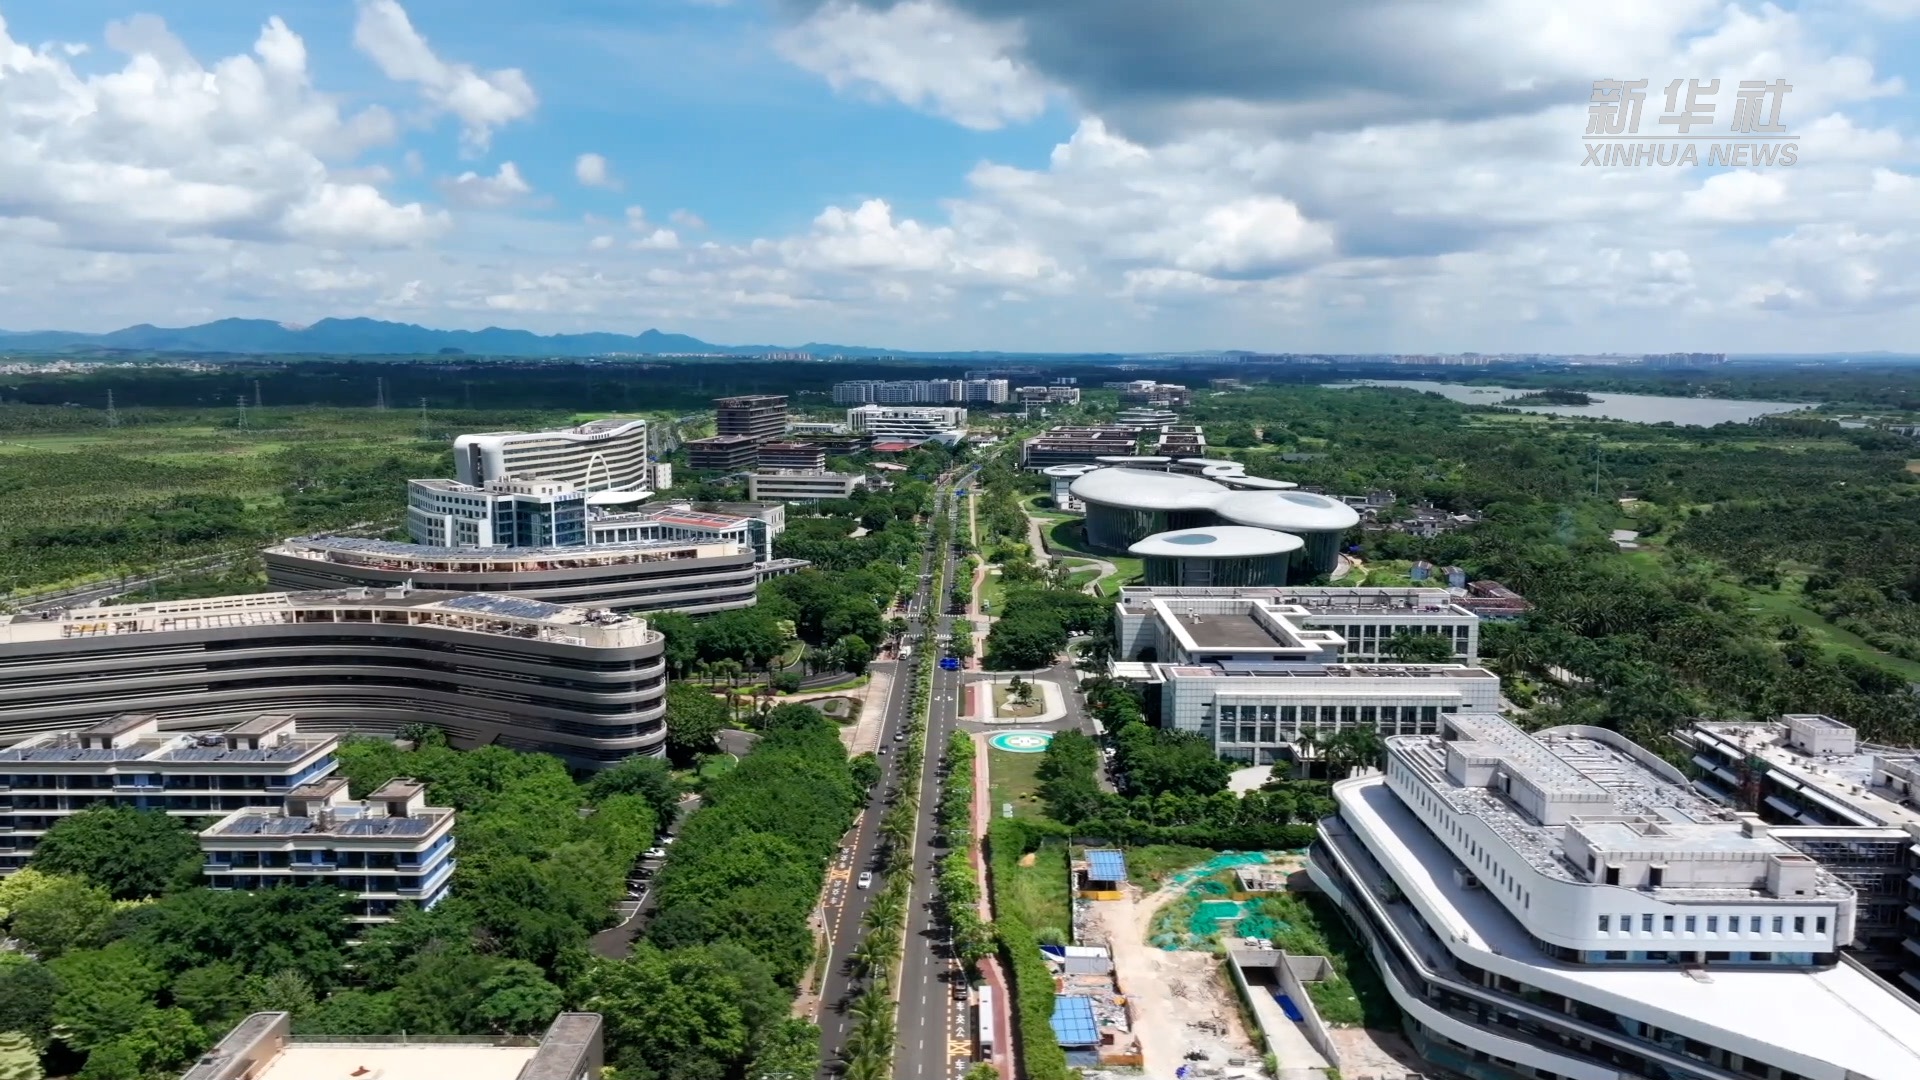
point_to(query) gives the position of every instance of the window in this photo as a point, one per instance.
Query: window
(1656, 876)
(1613, 875)
(1713, 924)
(1753, 925)
(1820, 925)
(1646, 924)
(1779, 924)
(1666, 924)
(1689, 924)
(1799, 924)
(1604, 920)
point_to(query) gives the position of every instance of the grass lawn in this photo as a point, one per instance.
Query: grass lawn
(1038, 894)
(1354, 996)
(1784, 603)
(1004, 705)
(1011, 779)
(1031, 504)
(993, 593)
(1150, 866)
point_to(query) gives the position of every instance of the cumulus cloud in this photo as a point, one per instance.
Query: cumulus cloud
(166, 149)
(503, 188)
(924, 54)
(591, 171)
(483, 101)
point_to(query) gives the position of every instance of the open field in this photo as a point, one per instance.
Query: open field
(1036, 891)
(1012, 779)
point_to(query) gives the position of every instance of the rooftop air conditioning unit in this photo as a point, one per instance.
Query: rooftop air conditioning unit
(1465, 878)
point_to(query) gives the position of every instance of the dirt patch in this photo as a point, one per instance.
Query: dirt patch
(1370, 1052)
(1028, 858)
(1181, 1000)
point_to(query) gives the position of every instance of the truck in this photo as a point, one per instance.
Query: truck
(906, 652)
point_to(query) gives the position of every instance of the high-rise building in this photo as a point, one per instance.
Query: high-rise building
(760, 417)
(722, 453)
(603, 455)
(386, 850)
(792, 455)
(991, 391)
(506, 513)
(1564, 903)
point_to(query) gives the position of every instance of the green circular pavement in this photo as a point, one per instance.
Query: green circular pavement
(1021, 742)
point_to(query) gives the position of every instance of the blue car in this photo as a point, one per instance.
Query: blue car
(949, 663)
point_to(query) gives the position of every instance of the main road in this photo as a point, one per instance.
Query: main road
(846, 903)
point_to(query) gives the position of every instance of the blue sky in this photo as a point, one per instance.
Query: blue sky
(1044, 174)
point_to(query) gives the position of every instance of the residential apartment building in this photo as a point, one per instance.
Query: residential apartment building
(919, 391)
(509, 513)
(603, 455)
(386, 850)
(586, 685)
(988, 391)
(263, 1047)
(722, 453)
(792, 455)
(1075, 446)
(1563, 904)
(797, 485)
(1364, 619)
(127, 761)
(1851, 806)
(917, 424)
(760, 417)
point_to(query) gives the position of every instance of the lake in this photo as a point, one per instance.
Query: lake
(1636, 408)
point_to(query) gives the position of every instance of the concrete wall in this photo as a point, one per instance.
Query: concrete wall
(1295, 972)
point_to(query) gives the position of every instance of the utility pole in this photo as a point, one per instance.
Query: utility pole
(113, 418)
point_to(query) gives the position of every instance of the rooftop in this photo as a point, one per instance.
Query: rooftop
(198, 748)
(1218, 542)
(1837, 1014)
(1847, 779)
(1243, 669)
(1318, 601)
(483, 613)
(1267, 509)
(399, 1061)
(1240, 630)
(1593, 781)
(400, 555)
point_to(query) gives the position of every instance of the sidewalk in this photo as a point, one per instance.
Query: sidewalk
(990, 967)
(863, 735)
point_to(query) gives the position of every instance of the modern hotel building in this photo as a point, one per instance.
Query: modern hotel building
(1564, 905)
(586, 685)
(603, 455)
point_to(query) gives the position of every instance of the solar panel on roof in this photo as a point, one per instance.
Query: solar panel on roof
(512, 606)
(1073, 1023)
(1106, 865)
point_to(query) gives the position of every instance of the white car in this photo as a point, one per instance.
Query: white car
(866, 879)
(655, 853)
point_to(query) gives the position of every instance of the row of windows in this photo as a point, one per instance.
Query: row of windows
(1495, 874)
(1690, 924)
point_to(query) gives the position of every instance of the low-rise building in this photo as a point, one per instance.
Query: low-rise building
(128, 761)
(506, 513)
(916, 424)
(1852, 806)
(1075, 446)
(1146, 419)
(387, 849)
(1364, 619)
(1047, 395)
(1149, 392)
(792, 455)
(801, 485)
(263, 1047)
(1562, 903)
(722, 453)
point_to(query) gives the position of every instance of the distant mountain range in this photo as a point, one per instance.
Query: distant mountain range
(371, 337)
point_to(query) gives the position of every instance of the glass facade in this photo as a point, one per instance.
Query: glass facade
(1192, 571)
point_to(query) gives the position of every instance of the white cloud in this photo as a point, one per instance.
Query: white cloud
(687, 219)
(166, 149)
(657, 240)
(600, 243)
(592, 171)
(923, 54)
(482, 100)
(503, 188)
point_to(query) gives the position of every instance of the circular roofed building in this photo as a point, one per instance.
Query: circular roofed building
(1316, 519)
(1226, 555)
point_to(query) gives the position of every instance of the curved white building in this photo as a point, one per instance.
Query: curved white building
(1128, 505)
(1564, 904)
(602, 455)
(1218, 555)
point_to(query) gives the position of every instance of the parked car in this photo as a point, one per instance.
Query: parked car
(655, 853)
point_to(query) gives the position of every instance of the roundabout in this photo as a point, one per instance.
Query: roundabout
(1021, 742)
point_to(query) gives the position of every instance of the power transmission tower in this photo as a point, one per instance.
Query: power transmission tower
(113, 417)
(240, 401)
(423, 418)
(256, 393)
(380, 395)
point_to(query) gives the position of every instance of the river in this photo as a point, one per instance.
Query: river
(1636, 408)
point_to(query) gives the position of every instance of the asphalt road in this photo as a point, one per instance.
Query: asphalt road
(846, 903)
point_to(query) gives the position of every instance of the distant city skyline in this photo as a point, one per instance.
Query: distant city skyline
(959, 175)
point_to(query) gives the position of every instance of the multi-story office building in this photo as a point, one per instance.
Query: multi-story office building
(990, 391)
(1143, 419)
(760, 417)
(1075, 446)
(1851, 806)
(1047, 395)
(386, 850)
(588, 686)
(792, 455)
(1147, 392)
(603, 455)
(263, 1047)
(508, 513)
(1563, 904)
(1180, 444)
(722, 453)
(801, 485)
(1364, 619)
(128, 761)
(693, 576)
(918, 424)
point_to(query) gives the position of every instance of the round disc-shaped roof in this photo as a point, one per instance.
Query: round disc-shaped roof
(1205, 462)
(1256, 483)
(1139, 489)
(1132, 459)
(1068, 470)
(1218, 542)
(1298, 510)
